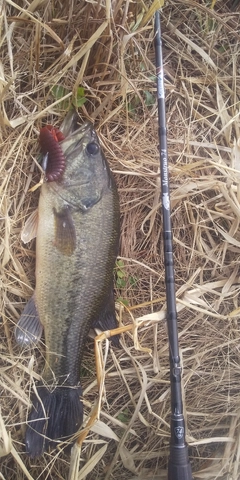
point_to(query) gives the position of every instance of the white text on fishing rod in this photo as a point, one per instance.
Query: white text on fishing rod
(164, 166)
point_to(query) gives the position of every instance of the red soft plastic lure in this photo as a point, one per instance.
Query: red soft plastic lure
(49, 139)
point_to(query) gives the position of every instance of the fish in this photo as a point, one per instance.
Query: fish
(77, 240)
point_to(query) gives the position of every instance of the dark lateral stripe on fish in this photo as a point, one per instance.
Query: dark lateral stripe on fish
(55, 415)
(49, 139)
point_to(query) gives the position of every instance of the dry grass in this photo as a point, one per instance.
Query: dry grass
(107, 48)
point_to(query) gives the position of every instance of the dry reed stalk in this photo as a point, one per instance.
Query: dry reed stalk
(107, 48)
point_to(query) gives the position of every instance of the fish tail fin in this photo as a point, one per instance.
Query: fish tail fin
(56, 415)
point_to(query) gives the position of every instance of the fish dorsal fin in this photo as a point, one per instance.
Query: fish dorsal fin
(65, 233)
(30, 228)
(29, 329)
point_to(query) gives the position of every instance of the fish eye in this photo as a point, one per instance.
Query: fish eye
(92, 148)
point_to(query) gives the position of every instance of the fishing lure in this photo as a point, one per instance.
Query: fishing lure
(49, 139)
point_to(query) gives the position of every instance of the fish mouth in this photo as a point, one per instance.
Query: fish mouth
(83, 135)
(70, 126)
(86, 128)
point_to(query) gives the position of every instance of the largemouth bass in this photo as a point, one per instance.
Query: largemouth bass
(77, 240)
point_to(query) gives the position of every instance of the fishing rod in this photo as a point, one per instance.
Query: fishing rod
(179, 467)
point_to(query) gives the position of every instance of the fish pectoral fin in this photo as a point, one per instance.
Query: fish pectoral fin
(30, 228)
(107, 319)
(28, 330)
(65, 233)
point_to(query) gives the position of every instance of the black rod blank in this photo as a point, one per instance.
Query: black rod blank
(179, 467)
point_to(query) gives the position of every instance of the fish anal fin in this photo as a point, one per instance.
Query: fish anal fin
(30, 228)
(28, 330)
(107, 319)
(65, 233)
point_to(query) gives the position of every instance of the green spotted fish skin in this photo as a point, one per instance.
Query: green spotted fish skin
(76, 249)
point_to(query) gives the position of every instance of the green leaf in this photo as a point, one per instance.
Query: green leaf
(123, 300)
(79, 99)
(120, 263)
(134, 103)
(123, 416)
(78, 102)
(120, 274)
(149, 98)
(132, 280)
(121, 283)
(80, 92)
(59, 92)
